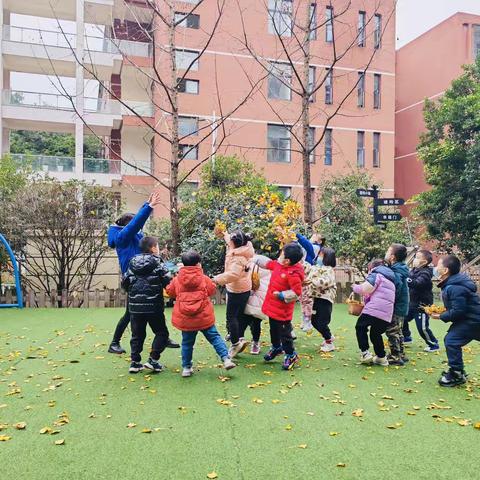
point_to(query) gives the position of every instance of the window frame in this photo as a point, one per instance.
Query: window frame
(184, 81)
(329, 87)
(377, 139)
(377, 91)
(276, 78)
(312, 82)
(273, 152)
(187, 146)
(361, 90)
(377, 32)
(288, 188)
(328, 147)
(191, 66)
(313, 25)
(193, 133)
(329, 16)
(311, 144)
(361, 149)
(274, 15)
(362, 29)
(184, 23)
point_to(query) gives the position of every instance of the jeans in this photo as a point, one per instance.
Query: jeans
(377, 328)
(121, 326)
(255, 326)
(236, 303)
(281, 335)
(458, 335)
(139, 332)
(322, 315)
(212, 336)
(423, 326)
(395, 337)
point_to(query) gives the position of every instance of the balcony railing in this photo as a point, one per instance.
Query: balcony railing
(59, 102)
(68, 40)
(144, 109)
(57, 164)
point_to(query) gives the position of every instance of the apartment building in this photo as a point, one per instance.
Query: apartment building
(425, 69)
(253, 44)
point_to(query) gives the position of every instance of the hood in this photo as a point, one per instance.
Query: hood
(460, 279)
(191, 277)
(385, 271)
(246, 251)
(144, 264)
(400, 269)
(298, 269)
(113, 231)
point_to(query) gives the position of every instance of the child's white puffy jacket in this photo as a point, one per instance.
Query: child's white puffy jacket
(257, 297)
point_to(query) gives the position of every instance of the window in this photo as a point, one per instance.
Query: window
(361, 89)
(377, 91)
(376, 149)
(278, 143)
(312, 74)
(187, 20)
(361, 149)
(329, 87)
(313, 21)
(188, 152)
(279, 81)
(186, 85)
(362, 21)
(185, 59)
(329, 25)
(377, 33)
(311, 143)
(285, 191)
(280, 21)
(187, 126)
(476, 41)
(328, 147)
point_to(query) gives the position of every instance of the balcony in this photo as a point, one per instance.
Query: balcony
(144, 109)
(51, 112)
(99, 170)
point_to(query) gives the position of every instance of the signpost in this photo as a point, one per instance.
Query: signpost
(380, 218)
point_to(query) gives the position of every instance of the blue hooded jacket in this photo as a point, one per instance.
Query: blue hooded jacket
(402, 296)
(126, 239)
(460, 297)
(312, 249)
(382, 270)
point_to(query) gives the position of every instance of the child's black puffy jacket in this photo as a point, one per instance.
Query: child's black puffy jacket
(420, 286)
(144, 281)
(460, 297)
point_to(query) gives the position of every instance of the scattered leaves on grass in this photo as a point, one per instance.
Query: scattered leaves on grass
(45, 430)
(212, 475)
(225, 402)
(394, 426)
(358, 412)
(4, 438)
(464, 423)
(60, 442)
(20, 425)
(131, 425)
(257, 400)
(224, 379)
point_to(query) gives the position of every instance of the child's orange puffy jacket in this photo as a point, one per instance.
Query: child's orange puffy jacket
(191, 289)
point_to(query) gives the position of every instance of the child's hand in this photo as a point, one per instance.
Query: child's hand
(435, 316)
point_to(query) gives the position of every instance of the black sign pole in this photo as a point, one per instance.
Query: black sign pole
(375, 206)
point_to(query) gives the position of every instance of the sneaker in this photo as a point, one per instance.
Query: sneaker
(187, 372)
(227, 337)
(307, 326)
(255, 348)
(382, 361)
(228, 364)
(237, 348)
(366, 358)
(154, 365)
(172, 344)
(290, 361)
(327, 346)
(432, 348)
(407, 340)
(135, 367)
(272, 353)
(116, 348)
(452, 378)
(397, 361)
(405, 359)
(293, 335)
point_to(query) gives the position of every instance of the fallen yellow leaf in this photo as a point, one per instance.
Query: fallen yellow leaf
(60, 442)
(131, 425)
(212, 475)
(20, 425)
(4, 438)
(477, 425)
(395, 426)
(334, 434)
(45, 430)
(288, 427)
(464, 423)
(341, 465)
(146, 430)
(358, 412)
(303, 445)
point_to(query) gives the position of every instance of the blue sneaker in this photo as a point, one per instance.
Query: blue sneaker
(407, 340)
(290, 361)
(432, 348)
(273, 353)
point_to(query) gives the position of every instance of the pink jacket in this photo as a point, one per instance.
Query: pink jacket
(237, 276)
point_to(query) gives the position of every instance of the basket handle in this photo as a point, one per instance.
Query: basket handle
(352, 296)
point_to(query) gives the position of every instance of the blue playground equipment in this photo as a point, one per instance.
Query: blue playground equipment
(16, 272)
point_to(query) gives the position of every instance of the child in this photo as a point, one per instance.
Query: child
(253, 314)
(284, 288)
(237, 279)
(313, 249)
(144, 281)
(193, 311)
(421, 293)
(323, 289)
(379, 291)
(460, 297)
(395, 258)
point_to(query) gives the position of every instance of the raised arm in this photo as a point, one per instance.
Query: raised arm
(307, 245)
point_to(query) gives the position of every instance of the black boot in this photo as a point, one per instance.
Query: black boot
(116, 348)
(452, 378)
(172, 344)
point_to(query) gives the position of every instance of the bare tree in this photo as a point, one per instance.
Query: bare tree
(171, 64)
(295, 28)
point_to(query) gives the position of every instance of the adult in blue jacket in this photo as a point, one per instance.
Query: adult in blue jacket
(312, 247)
(124, 236)
(460, 297)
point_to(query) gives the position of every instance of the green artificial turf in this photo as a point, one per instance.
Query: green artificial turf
(55, 361)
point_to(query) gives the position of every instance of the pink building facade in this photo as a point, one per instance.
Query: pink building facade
(425, 69)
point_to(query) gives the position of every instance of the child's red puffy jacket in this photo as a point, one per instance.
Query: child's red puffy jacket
(283, 278)
(193, 310)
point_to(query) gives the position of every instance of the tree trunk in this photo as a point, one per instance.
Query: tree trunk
(305, 123)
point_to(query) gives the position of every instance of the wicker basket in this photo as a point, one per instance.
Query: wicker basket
(355, 308)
